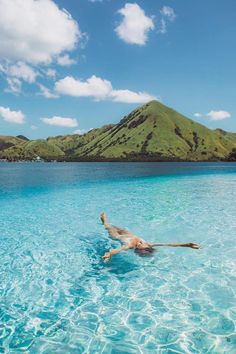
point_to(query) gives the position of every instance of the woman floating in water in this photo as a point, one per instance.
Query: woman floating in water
(130, 241)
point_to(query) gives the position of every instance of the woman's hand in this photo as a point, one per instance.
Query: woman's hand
(107, 256)
(194, 245)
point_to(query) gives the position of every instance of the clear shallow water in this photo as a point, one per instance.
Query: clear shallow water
(56, 294)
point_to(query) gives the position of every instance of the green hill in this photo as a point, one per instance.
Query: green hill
(30, 150)
(8, 141)
(152, 132)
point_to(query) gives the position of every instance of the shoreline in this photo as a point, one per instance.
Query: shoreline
(116, 161)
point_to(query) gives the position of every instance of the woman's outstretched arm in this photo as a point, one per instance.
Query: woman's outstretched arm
(190, 244)
(107, 256)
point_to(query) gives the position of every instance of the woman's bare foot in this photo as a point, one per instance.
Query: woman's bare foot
(103, 217)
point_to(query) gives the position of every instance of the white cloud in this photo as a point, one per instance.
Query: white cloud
(82, 131)
(22, 71)
(127, 96)
(35, 31)
(65, 60)
(93, 87)
(51, 73)
(198, 115)
(60, 121)
(14, 85)
(163, 26)
(99, 89)
(168, 15)
(46, 92)
(16, 73)
(218, 115)
(12, 116)
(135, 25)
(168, 12)
(33, 127)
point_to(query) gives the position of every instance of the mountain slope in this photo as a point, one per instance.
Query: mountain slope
(8, 141)
(157, 132)
(30, 150)
(151, 132)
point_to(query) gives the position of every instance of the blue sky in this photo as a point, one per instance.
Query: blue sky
(69, 65)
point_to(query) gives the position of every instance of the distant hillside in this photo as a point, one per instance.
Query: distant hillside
(8, 141)
(152, 132)
(22, 137)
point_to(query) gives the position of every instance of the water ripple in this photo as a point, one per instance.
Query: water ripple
(57, 295)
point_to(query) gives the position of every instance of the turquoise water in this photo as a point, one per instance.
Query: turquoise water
(56, 294)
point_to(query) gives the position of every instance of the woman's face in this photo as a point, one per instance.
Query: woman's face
(143, 248)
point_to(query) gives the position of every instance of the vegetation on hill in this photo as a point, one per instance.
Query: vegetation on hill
(9, 141)
(22, 137)
(152, 132)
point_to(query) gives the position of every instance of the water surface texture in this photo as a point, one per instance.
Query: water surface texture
(57, 295)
